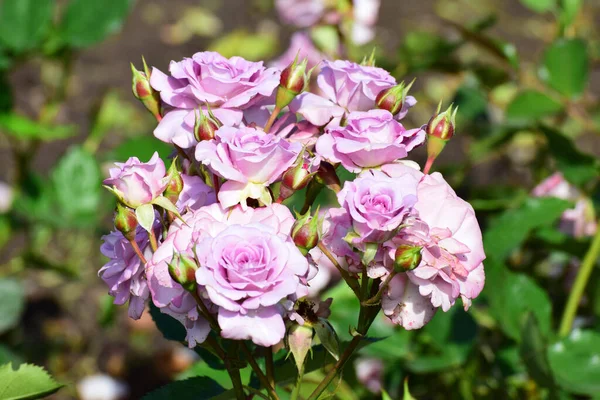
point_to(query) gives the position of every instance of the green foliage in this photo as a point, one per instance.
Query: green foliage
(198, 388)
(88, 22)
(509, 230)
(540, 5)
(24, 128)
(27, 382)
(170, 328)
(565, 66)
(24, 23)
(532, 350)
(142, 147)
(575, 362)
(12, 301)
(251, 46)
(531, 105)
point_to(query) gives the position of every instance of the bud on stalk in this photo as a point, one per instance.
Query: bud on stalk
(205, 126)
(126, 221)
(394, 99)
(298, 175)
(182, 269)
(294, 79)
(144, 92)
(407, 257)
(175, 185)
(305, 231)
(440, 130)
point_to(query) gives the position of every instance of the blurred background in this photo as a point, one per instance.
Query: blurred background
(525, 75)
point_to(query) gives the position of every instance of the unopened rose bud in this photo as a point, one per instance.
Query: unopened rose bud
(294, 79)
(182, 269)
(299, 341)
(298, 175)
(175, 185)
(441, 125)
(125, 221)
(144, 92)
(305, 232)
(205, 126)
(407, 257)
(394, 99)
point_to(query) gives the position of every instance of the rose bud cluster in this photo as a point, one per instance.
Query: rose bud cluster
(212, 241)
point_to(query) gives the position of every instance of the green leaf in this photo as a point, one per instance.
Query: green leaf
(577, 167)
(326, 334)
(539, 6)
(565, 66)
(24, 23)
(568, 11)
(142, 147)
(512, 297)
(76, 187)
(88, 22)
(531, 105)
(8, 356)
(24, 128)
(12, 302)
(407, 395)
(198, 388)
(145, 216)
(532, 350)
(170, 328)
(165, 203)
(221, 376)
(510, 229)
(251, 46)
(575, 362)
(28, 382)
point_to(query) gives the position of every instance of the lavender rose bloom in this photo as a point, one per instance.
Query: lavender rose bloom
(346, 87)
(226, 85)
(377, 203)
(369, 139)
(195, 194)
(124, 272)
(301, 13)
(249, 159)
(136, 183)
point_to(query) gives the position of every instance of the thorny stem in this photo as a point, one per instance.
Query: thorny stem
(353, 283)
(269, 365)
(272, 119)
(137, 250)
(261, 376)
(153, 241)
(583, 275)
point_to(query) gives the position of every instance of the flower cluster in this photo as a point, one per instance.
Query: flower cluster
(210, 240)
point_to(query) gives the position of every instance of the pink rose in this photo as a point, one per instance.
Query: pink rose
(301, 13)
(369, 139)
(136, 183)
(346, 87)
(226, 85)
(249, 159)
(124, 272)
(452, 254)
(195, 194)
(377, 204)
(404, 305)
(577, 222)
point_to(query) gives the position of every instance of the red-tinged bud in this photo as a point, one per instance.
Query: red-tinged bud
(407, 257)
(306, 231)
(144, 92)
(441, 125)
(294, 79)
(393, 99)
(182, 269)
(328, 177)
(126, 221)
(175, 185)
(298, 175)
(205, 126)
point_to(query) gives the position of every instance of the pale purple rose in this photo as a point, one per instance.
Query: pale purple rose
(249, 269)
(579, 221)
(404, 305)
(369, 372)
(345, 87)
(369, 139)
(195, 194)
(124, 272)
(136, 183)
(301, 13)
(452, 254)
(365, 18)
(249, 159)
(377, 204)
(228, 86)
(301, 46)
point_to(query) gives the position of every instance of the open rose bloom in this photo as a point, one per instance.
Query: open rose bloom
(224, 255)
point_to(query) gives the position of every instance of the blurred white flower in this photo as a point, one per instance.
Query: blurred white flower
(101, 387)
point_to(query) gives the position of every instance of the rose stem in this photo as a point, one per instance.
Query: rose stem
(269, 365)
(153, 242)
(261, 376)
(581, 280)
(353, 283)
(137, 250)
(272, 119)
